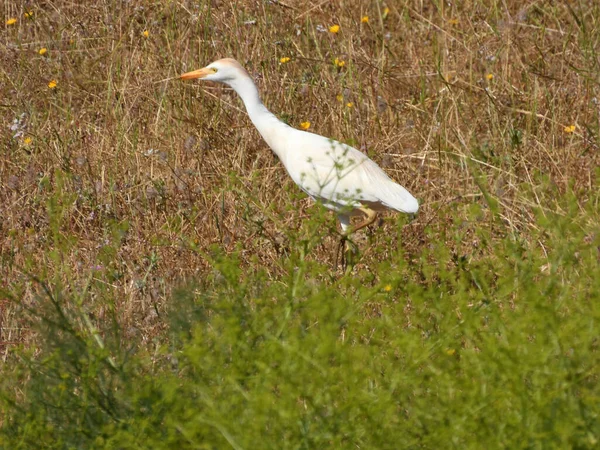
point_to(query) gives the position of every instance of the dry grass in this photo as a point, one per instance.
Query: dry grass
(124, 175)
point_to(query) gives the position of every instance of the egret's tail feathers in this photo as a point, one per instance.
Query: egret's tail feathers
(396, 197)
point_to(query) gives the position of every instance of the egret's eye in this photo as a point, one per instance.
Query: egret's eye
(214, 70)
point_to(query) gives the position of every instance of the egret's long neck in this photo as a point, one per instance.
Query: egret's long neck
(265, 122)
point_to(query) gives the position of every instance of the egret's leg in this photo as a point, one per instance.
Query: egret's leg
(340, 247)
(371, 217)
(347, 230)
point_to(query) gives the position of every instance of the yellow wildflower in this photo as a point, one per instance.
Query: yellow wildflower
(52, 84)
(453, 21)
(146, 33)
(27, 140)
(349, 105)
(386, 12)
(42, 51)
(284, 59)
(387, 288)
(334, 29)
(339, 62)
(339, 97)
(489, 76)
(364, 19)
(11, 21)
(570, 129)
(28, 14)
(305, 125)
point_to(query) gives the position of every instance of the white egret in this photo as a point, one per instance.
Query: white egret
(341, 177)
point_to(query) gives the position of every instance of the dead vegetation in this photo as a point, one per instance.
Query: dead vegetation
(123, 175)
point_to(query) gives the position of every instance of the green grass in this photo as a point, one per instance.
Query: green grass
(163, 284)
(443, 351)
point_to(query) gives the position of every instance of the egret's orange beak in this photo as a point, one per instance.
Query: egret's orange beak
(200, 73)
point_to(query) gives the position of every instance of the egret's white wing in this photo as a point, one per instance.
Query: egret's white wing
(329, 171)
(341, 176)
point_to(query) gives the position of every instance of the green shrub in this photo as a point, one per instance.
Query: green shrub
(497, 348)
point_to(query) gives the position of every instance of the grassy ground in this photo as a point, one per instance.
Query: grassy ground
(164, 283)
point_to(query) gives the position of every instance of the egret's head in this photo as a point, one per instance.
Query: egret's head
(224, 70)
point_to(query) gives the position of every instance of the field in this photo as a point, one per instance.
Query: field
(165, 284)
